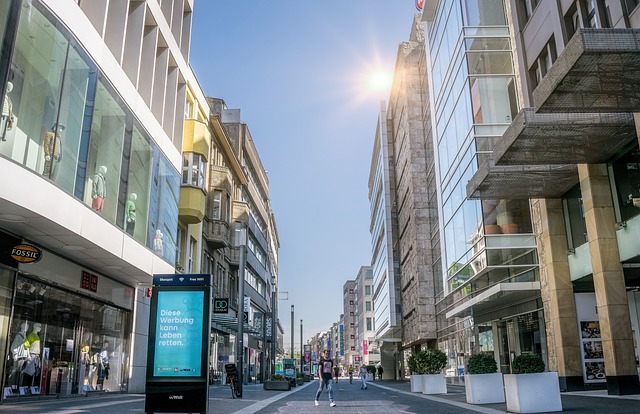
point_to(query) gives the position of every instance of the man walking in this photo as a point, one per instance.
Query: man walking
(363, 377)
(336, 373)
(380, 371)
(325, 373)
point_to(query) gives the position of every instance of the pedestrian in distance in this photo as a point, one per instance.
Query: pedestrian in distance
(325, 372)
(363, 377)
(350, 374)
(336, 373)
(380, 371)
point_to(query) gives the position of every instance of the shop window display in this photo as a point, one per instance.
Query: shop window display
(163, 208)
(62, 343)
(138, 179)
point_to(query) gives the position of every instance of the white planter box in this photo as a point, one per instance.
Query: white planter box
(434, 384)
(416, 383)
(532, 393)
(484, 388)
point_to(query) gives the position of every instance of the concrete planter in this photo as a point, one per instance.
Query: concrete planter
(484, 388)
(276, 385)
(416, 383)
(434, 384)
(299, 381)
(532, 393)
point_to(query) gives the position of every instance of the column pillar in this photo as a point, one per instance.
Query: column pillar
(563, 340)
(608, 280)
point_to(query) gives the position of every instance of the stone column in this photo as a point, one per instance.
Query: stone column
(563, 340)
(608, 280)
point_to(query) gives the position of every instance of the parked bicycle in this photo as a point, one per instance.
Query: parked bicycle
(232, 379)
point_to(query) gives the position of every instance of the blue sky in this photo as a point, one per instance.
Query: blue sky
(301, 73)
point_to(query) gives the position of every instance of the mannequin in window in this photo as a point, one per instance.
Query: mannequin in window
(157, 243)
(33, 361)
(103, 365)
(7, 119)
(99, 188)
(52, 151)
(95, 362)
(19, 354)
(130, 214)
(85, 361)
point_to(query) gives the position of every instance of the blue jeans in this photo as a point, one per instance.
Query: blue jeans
(325, 383)
(364, 381)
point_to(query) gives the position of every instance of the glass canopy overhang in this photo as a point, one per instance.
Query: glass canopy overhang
(598, 71)
(538, 139)
(499, 295)
(493, 182)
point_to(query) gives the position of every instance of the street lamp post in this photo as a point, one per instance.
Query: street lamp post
(292, 356)
(301, 349)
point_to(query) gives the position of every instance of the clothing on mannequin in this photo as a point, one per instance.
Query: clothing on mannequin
(33, 344)
(7, 119)
(19, 354)
(52, 151)
(99, 188)
(130, 214)
(157, 243)
(94, 363)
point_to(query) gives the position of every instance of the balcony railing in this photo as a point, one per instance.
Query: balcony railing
(216, 233)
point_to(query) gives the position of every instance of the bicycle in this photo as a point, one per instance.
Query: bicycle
(232, 380)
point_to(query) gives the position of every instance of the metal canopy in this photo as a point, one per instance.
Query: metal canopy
(598, 71)
(538, 139)
(502, 294)
(492, 182)
(229, 324)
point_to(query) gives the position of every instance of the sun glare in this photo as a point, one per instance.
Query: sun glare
(379, 81)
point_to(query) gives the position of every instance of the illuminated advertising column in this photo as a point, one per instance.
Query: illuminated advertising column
(177, 361)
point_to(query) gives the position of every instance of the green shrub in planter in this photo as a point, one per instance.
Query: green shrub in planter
(413, 364)
(527, 364)
(431, 361)
(371, 369)
(278, 377)
(482, 364)
(299, 374)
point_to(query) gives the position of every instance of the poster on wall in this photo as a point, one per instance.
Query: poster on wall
(592, 353)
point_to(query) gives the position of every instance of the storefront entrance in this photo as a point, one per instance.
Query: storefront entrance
(519, 335)
(62, 343)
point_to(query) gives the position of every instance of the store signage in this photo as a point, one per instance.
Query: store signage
(268, 323)
(419, 4)
(26, 253)
(221, 305)
(89, 281)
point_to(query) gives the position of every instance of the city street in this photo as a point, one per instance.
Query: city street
(380, 397)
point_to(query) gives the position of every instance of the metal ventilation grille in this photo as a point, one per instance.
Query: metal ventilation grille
(521, 181)
(538, 139)
(598, 71)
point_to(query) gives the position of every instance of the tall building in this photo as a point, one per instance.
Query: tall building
(367, 349)
(536, 101)
(348, 334)
(409, 133)
(385, 264)
(91, 137)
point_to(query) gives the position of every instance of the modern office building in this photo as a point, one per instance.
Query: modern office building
(383, 227)
(348, 333)
(536, 101)
(91, 137)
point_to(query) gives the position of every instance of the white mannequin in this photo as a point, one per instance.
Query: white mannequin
(130, 214)
(157, 243)
(6, 122)
(19, 354)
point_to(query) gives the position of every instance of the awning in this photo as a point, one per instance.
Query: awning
(493, 182)
(598, 71)
(497, 296)
(539, 139)
(229, 324)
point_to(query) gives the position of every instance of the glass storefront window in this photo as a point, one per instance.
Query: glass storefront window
(104, 161)
(66, 342)
(138, 181)
(494, 100)
(163, 208)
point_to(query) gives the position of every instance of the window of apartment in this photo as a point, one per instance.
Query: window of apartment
(179, 241)
(367, 290)
(367, 306)
(191, 252)
(188, 107)
(572, 21)
(217, 204)
(631, 5)
(529, 6)
(543, 63)
(193, 169)
(369, 324)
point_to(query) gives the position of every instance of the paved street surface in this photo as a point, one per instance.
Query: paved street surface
(381, 397)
